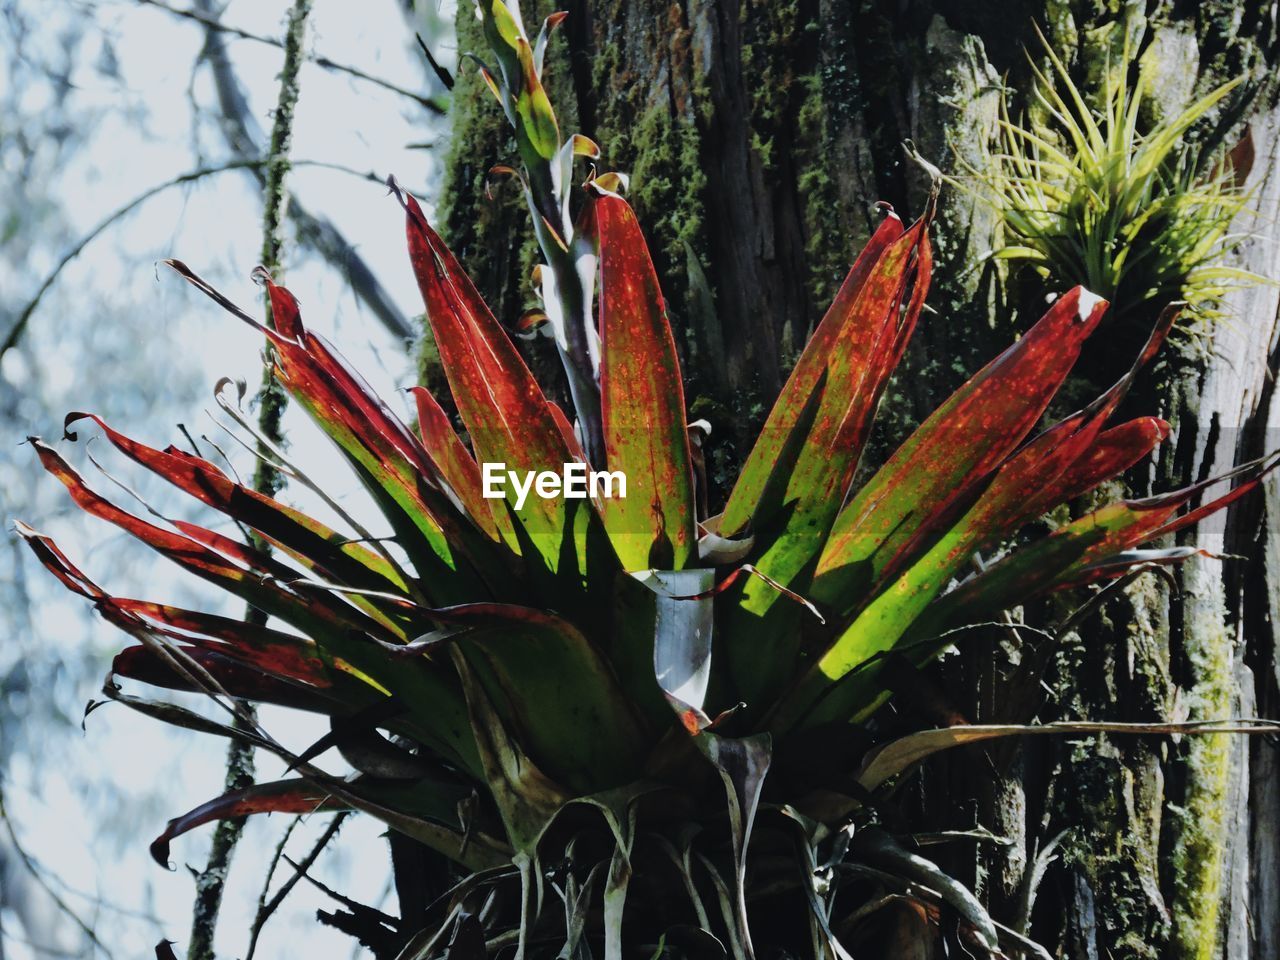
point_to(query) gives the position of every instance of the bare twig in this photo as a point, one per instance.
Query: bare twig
(267, 907)
(20, 325)
(38, 876)
(213, 23)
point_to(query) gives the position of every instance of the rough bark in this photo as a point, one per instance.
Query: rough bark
(759, 136)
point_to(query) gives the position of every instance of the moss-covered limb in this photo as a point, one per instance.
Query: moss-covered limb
(1197, 853)
(211, 881)
(271, 396)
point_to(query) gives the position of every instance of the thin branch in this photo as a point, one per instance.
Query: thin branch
(266, 883)
(313, 232)
(272, 398)
(441, 73)
(213, 23)
(267, 907)
(20, 325)
(7, 936)
(38, 876)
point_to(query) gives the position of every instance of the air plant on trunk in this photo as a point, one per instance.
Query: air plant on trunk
(631, 727)
(1138, 212)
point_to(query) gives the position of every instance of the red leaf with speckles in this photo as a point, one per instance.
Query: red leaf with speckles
(500, 402)
(642, 401)
(807, 377)
(855, 351)
(954, 451)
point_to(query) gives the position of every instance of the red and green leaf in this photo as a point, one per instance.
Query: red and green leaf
(455, 464)
(242, 571)
(503, 407)
(388, 457)
(281, 796)
(381, 449)
(869, 326)
(809, 371)
(330, 554)
(642, 401)
(145, 665)
(273, 652)
(954, 451)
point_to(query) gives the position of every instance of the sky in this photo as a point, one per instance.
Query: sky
(119, 335)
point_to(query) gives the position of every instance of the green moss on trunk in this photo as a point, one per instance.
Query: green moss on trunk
(1200, 838)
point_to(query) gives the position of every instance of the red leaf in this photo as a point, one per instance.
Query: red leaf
(281, 796)
(57, 562)
(241, 571)
(1114, 451)
(500, 402)
(1086, 550)
(566, 430)
(804, 380)
(642, 401)
(243, 682)
(953, 451)
(454, 462)
(280, 654)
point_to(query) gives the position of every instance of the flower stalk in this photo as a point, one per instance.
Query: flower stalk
(566, 281)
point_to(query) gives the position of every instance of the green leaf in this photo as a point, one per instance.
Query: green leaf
(536, 120)
(527, 798)
(527, 659)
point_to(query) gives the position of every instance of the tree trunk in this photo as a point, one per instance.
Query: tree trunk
(759, 136)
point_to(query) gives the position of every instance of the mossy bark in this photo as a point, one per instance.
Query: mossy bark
(759, 136)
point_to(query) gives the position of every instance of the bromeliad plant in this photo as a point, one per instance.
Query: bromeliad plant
(632, 728)
(1137, 214)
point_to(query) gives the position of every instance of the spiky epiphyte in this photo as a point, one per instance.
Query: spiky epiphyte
(1100, 197)
(631, 726)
